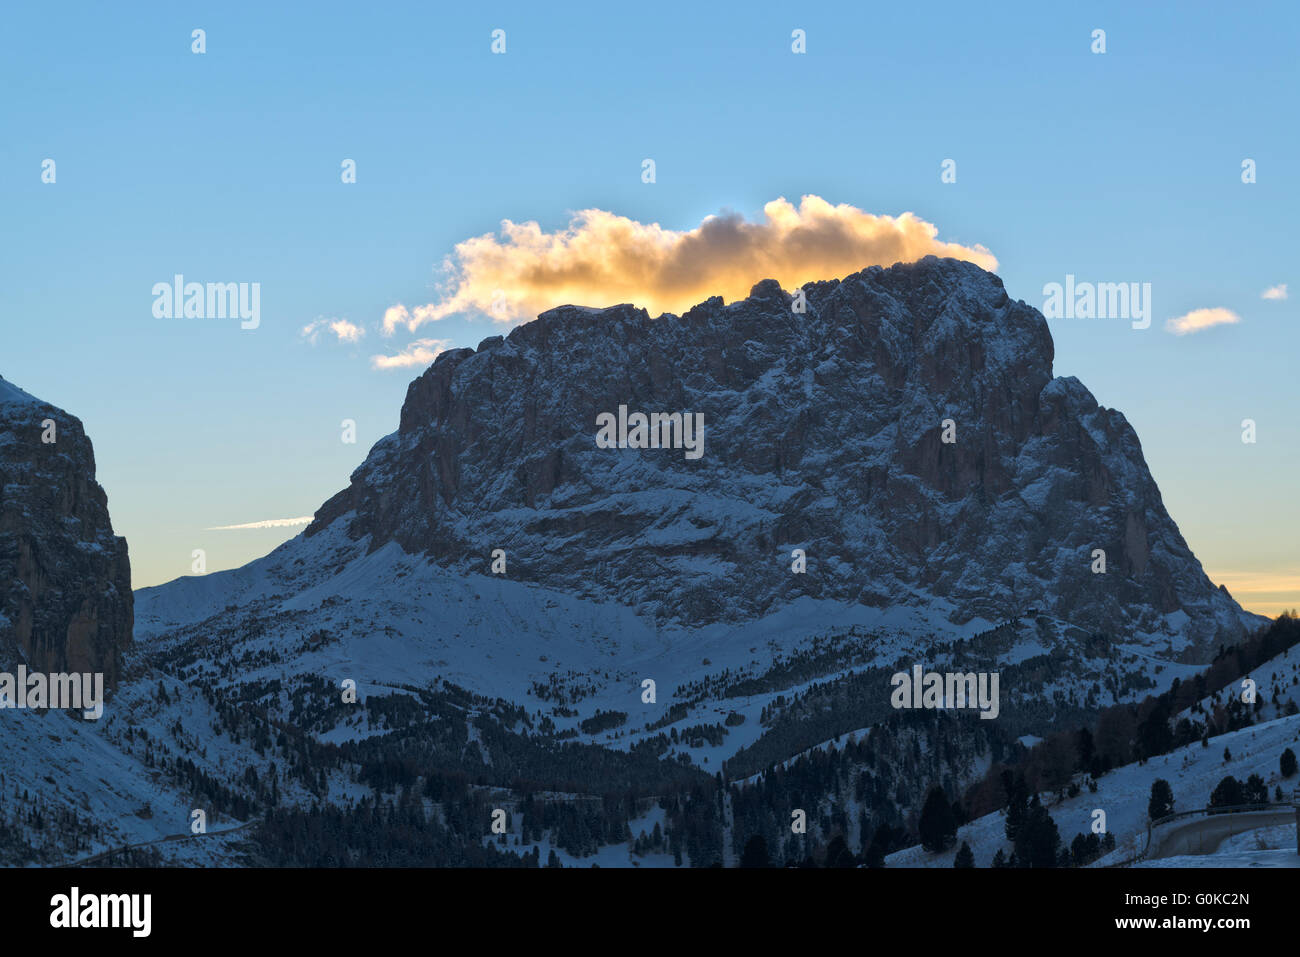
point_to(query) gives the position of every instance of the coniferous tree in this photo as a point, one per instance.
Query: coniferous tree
(1079, 850)
(1038, 839)
(1017, 802)
(1086, 749)
(1162, 800)
(879, 847)
(1085, 849)
(1227, 793)
(965, 857)
(838, 853)
(1256, 791)
(1287, 763)
(1154, 735)
(755, 854)
(937, 827)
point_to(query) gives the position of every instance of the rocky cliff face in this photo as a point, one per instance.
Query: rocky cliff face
(823, 431)
(65, 579)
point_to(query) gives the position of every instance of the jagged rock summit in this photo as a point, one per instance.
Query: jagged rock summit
(65, 578)
(823, 431)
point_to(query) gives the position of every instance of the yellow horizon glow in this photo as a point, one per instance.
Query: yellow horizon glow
(1264, 593)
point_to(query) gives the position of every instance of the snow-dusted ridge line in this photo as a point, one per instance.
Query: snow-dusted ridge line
(823, 434)
(10, 394)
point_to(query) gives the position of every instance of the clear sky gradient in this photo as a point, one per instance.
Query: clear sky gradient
(225, 166)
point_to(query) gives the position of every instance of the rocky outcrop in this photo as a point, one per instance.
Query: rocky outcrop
(824, 431)
(65, 578)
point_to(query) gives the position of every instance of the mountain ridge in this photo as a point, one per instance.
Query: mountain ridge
(66, 602)
(823, 432)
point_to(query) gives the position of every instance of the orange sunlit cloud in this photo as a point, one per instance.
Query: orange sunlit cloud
(602, 259)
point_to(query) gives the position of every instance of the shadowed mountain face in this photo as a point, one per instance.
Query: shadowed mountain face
(824, 430)
(65, 578)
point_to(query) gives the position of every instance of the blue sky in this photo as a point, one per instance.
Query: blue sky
(225, 166)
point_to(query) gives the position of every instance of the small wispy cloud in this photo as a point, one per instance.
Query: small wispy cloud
(399, 315)
(1200, 319)
(269, 523)
(418, 353)
(343, 329)
(1274, 292)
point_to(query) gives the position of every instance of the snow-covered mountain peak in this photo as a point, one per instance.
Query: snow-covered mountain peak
(901, 427)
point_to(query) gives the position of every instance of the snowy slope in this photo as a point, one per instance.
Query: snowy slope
(1277, 680)
(1192, 772)
(10, 394)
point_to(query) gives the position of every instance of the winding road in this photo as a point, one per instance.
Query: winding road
(1203, 835)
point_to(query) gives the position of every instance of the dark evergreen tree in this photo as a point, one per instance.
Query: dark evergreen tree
(1255, 791)
(878, 848)
(1227, 793)
(1037, 840)
(1287, 763)
(838, 853)
(1079, 850)
(1017, 802)
(1085, 849)
(965, 857)
(1086, 748)
(755, 854)
(937, 827)
(1162, 800)
(1154, 735)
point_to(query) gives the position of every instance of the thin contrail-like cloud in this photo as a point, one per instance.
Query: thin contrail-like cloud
(269, 523)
